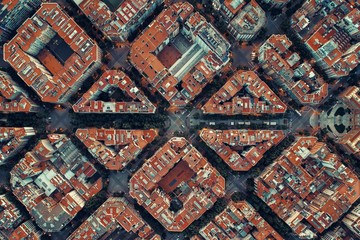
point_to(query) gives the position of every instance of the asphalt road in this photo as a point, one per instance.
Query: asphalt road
(59, 118)
(241, 55)
(300, 122)
(118, 181)
(118, 58)
(241, 123)
(236, 183)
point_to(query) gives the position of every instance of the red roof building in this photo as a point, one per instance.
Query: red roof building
(54, 181)
(52, 54)
(329, 39)
(352, 220)
(241, 149)
(13, 13)
(177, 169)
(13, 98)
(285, 66)
(351, 97)
(308, 187)
(337, 233)
(239, 220)
(245, 18)
(13, 140)
(262, 99)
(109, 80)
(228, 8)
(114, 213)
(26, 230)
(351, 140)
(246, 25)
(117, 21)
(204, 52)
(10, 215)
(115, 148)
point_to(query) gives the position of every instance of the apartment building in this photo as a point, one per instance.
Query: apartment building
(246, 25)
(291, 73)
(13, 13)
(333, 38)
(27, 230)
(117, 19)
(115, 148)
(13, 140)
(241, 149)
(308, 187)
(113, 213)
(351, 140)
(245, 18)
(352, 220)
(10, 215)
(13, 98)
(179, 53)
(239, 220)
(259, 98)
(54, 181)
(177, 185)
(52, 54)
(109, 82)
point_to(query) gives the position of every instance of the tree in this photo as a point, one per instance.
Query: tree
(237, 197)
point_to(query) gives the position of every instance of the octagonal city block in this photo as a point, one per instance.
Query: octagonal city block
(53, 182)
(177, 185)
(179, 53)
(52, 54)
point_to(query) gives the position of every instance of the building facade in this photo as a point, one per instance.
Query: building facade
(13, 13)
(352, 220)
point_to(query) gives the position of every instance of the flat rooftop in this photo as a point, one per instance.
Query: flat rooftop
(169, 55)
(113, 4)
(180, 173)
(60, 49)
(51, 62)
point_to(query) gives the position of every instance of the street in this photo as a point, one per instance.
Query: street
(236, 183)
(118, 58)
(241, 123)
(59, 118)
(302, 122)
(118, 181)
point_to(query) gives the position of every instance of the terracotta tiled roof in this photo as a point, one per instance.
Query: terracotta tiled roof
(254, 144)
(53, 181)
(190, 173)
(10, 215)
(308, 173)
(239, 220)
(284, 66)
(166, 26)
(13, 140)
(113, 79)
(329, 38)
(262, 99)
(117, 23)
(101, 143)
(34, 35)
(111, 214)
(351, 140)
(26, 230)
(12, 97)
(248, 21)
